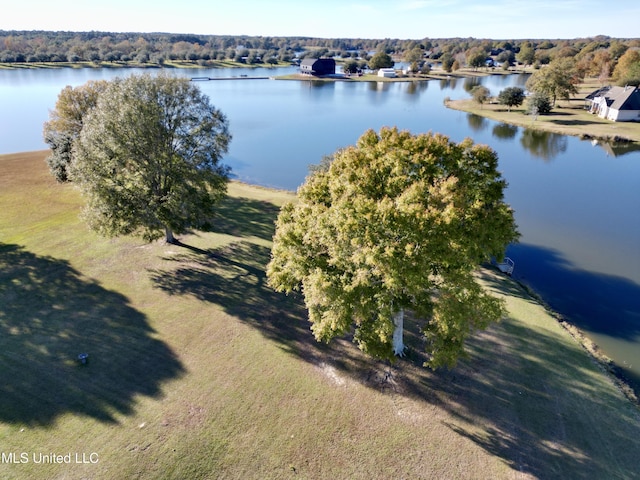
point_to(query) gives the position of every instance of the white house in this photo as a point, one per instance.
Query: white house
(387, 73)
(619, 104)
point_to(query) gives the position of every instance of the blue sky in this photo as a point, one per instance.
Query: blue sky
(415, 19)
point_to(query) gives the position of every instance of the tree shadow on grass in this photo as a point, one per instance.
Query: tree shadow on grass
(521, 385)
(245, 217)
(549, 416)
(572, 122)
(49, 314)
(234, 278)
(530, 397)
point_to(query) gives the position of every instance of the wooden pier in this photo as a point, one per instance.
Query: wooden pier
(241, 77)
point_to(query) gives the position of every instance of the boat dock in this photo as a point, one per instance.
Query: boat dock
(241, 77)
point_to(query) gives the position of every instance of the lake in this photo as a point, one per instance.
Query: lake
(577, 204)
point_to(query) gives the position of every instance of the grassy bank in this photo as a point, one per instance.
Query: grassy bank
(568, 117)
(438, 74)
(197, 370)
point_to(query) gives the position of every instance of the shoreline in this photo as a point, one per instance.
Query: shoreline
(568, 118)
(607, 365)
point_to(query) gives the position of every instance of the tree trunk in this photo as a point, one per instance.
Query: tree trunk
(398, 344)
(169, 235)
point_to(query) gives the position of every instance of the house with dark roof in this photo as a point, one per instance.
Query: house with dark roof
(620, 104)
(318, 66)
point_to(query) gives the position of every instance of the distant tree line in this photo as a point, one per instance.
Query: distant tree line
(596, 56)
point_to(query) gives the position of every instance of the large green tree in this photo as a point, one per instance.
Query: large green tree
(415, 55)
(526, 55)
(476, 58)
(559, 79)
(148, 158)
(65, 123)
(480, 94)
(627, 71)
(381, 60)
(511, 97)
(397, 222)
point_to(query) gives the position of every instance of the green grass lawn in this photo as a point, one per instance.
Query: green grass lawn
(568, 117)
(198, 370)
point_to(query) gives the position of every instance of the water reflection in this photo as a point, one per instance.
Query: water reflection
(414, 88)
(379, 86)
(318, 84)
(471, 82)
(544, 145)
(476, 122)
(504, 131)
(448, 83)
(616, 149)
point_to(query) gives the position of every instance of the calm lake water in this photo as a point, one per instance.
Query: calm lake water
(577, 204)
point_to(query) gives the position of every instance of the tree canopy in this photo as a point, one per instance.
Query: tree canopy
(627, 71)
(381, 60)
(480, 93)
(526, 55)
(557, 80)
(511, 97)
(396, 222)
(148, 158)
(538, 104)
(65, 124)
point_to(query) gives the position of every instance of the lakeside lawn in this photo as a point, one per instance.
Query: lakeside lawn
(198, 370)
(568, 117)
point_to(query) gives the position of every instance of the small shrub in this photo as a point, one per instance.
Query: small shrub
(538, 104)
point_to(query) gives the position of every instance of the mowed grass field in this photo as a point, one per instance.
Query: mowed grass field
(568, 117)
(197, 370)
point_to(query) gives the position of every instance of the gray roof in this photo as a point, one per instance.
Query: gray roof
(623, 98)
(598, 93)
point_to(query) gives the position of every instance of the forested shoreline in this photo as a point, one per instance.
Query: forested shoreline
(595, 56)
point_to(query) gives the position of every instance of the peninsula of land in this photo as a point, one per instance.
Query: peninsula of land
(568, 117)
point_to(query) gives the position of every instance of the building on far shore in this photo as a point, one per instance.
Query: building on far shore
(387, 73)
(619, 104)
(318, 66)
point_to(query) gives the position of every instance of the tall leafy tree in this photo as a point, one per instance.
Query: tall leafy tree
(148, 158)
(65, 123)
(397, 222)
(627, 71)
(559, 79)
(511, 97)
(480, 94)
(526, 55)
(381, 60)
(476, 58)
(538, 104)
(350, 66)
(447, 62)
(414, 55)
